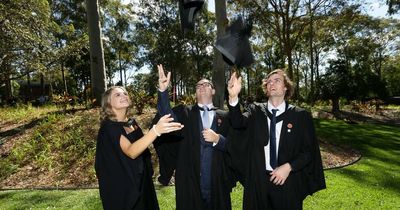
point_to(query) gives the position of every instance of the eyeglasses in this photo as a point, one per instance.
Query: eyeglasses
(204, 84)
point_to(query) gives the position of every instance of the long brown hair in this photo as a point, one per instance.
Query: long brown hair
(288, 83)
(106, 109)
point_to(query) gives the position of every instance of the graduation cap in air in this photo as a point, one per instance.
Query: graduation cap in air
(235, 46)
(193, 3)
(187, 12)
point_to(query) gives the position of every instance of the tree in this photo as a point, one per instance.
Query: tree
(393, 6)
(159, 39)
(98, 78)
(286, 21)
(391, 75)
(72, 43)
(119, 45)
(336, 83)
(25, 40)
(219, 64)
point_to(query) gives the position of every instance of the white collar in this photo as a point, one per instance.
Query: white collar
(281, 108)
(209, 106)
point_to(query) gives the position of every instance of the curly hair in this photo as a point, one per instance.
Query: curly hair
(288, 83)
(106, 109)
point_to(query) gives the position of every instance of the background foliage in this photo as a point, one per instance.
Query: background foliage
(45, 48)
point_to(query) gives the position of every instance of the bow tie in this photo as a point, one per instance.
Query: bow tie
(208, 109)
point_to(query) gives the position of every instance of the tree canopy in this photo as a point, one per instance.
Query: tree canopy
(317, 41)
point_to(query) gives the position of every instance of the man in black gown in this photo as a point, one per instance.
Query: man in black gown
(280, 157)
(202, 178)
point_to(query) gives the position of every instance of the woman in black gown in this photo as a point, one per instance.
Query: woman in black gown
(123, 165)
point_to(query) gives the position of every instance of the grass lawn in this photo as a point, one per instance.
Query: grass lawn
(371, 183)
(50, 199)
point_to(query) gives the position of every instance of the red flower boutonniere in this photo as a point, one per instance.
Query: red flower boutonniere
(289, 126)
(219, 121)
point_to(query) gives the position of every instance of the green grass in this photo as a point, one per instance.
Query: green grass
(83, 199)
(166, 197)
(24, 112)
(371, 183)
(54, 199)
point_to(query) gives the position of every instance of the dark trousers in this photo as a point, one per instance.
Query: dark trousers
(167, 151)
(283, 197)
(206, 204)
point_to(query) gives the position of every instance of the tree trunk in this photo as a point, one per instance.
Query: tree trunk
(63, 78)
(98, 74)
(219, 64)
(248, 81)
(120, 68)
(8, 92)
(297, 71)
(42, 85)
(311, 41)
(335, 105)
(316, 93)
(29, 87)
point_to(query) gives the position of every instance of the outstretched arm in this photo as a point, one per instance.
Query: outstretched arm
(234, 87)
(163, 80)
(235, 115)
(164, 125)
(163, 106)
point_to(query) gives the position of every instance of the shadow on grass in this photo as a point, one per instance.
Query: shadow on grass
(364, 118)
(26, 199)
(367, 138)
(375, 175)
(22, 128)
(379, 145)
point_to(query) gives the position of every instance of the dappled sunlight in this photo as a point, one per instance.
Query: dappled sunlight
(378, 169)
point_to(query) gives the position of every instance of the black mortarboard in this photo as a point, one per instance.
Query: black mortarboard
(235, 46)
(193, 3)
(187, 11)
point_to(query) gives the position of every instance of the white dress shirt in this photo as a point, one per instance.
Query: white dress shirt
(211, 114)
(281, 109)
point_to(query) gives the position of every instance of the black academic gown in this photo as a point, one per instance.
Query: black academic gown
(187, 175)
(298, 146)
(167, 149)
(124, 183)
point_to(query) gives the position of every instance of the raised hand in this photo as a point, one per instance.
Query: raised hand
(163, 80)
(165, 125)
(234, 86)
